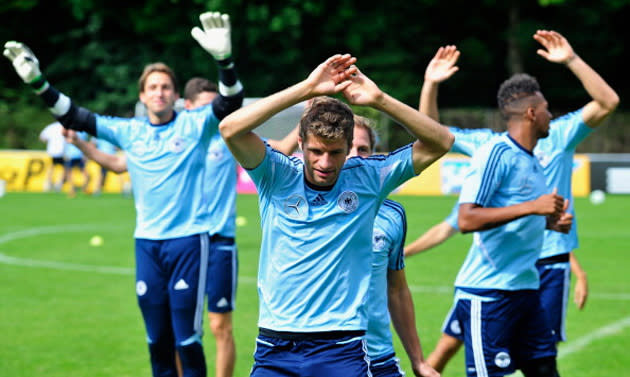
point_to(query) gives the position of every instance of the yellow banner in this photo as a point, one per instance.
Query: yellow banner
(23, 170)
(28, 171)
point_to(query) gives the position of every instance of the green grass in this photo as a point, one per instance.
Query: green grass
(64, 313)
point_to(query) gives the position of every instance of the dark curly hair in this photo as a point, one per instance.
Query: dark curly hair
(513, 90)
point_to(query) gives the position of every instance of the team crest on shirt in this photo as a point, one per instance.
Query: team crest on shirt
(348, 201)
(502, 359)
(378, 240)
(141, 287)
(294, 206)
(178, 145)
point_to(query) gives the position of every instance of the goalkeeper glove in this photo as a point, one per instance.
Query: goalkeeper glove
(215, 36)
(24, 61)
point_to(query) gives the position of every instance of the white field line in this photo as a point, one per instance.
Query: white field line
(602, 332)
(34, 232)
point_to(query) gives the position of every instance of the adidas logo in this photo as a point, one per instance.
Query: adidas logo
(319, 201)
(180, 285)
(222, 303)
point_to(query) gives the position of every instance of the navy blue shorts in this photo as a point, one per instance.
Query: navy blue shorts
(386, 367)
(451, 325)
(170, 285)
(222, 274)
(75, 162)
(58, 161)
(502, 335)
(342, 357)
(555, 283)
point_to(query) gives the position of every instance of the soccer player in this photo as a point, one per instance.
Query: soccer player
(55, 146)
(220, 188)
(317, 216)
(105, 147)
(165, 154)
(73, 158)
(556, 155)
(389, 293)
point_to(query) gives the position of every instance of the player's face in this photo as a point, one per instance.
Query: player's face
(542, 116)
(323, 159)
(159, 96)
(202, 99)
(360, 143)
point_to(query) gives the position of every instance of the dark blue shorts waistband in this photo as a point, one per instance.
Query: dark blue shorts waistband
(324, 335)
(560, 258)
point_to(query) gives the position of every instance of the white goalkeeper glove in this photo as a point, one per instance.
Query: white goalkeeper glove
(24, 61)
(215, 36)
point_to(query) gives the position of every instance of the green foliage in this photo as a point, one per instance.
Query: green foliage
(95, 50)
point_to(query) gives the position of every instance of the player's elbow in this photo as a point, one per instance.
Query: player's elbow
(227, 128)
(611, 102)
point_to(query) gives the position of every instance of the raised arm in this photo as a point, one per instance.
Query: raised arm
(558, 50)
(115, 163)
(400, 305)
(215, 38)
(63, 109)
(440, 68)
(329, 77)
(433, 139)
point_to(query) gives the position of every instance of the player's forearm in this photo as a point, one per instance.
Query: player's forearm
(428, 100)
(433, 237)
(230, 90)
(576, 268)
(63, 109)
(594, 84)
(433, 135)
(403, 318)
(473, 218)
(286, 145)
(248, 118)
(114, 163)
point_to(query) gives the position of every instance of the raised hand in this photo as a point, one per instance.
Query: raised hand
(362, 91)
(332, 76)
(442, 66)
(24, 61)
(556, 47)
(215, 36)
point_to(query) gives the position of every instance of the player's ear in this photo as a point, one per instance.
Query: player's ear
(300, 142)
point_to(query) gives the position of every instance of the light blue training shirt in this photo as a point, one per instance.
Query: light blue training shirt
(503, 173)
(316, 250)
(166, 165)
(390, 230)
(220, 184)
(556, 155)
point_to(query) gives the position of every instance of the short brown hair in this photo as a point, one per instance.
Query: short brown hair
(366, 124)
(328, 118)
(196, 86)
(156, 67)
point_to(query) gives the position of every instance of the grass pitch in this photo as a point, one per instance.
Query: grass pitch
(69, 309)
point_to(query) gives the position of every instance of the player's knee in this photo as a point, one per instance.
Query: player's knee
(221, 326)
(543, 367)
